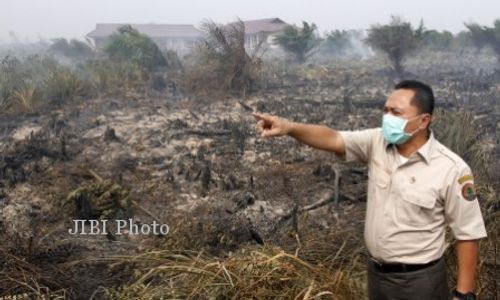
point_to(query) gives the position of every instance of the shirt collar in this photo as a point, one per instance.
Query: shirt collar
(425, 150)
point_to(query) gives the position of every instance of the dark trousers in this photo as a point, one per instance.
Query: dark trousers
(429, 283)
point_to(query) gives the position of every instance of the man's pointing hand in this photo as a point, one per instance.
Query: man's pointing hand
(269, 126)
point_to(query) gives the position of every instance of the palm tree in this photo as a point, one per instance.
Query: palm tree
(299, 42)
(130, 45)
(397, 40)
(483, 36)
(73, 49)
(221, 62)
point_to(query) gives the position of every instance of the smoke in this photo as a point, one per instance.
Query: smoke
(359, 47)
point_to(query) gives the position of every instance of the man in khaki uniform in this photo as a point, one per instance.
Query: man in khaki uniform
(416, 187)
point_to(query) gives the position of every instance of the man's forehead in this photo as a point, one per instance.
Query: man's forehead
(400, 98)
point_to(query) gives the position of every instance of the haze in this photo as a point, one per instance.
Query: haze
(32, 20)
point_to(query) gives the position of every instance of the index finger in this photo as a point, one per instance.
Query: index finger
(261, 116)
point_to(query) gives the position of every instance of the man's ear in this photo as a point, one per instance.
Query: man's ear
(429, 116)
(429, 120)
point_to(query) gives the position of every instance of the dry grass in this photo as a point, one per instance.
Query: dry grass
(265, 273)
(116, 78)
(19, 276)
(310, 263)
(27, 97)
(318, 265)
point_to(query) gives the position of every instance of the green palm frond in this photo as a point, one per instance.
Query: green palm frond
(458, 131)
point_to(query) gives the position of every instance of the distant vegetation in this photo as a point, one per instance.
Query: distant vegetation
(25, 82)
(128, 45)
(338, 42)
(73, 49)
(62, 70)
(299, 42)
(221, 63)
(397, 40)
(484, 36)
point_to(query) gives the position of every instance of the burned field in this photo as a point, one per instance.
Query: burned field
(248, 217)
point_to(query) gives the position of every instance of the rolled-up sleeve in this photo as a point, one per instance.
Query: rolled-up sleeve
(462, 210)
(358, 144)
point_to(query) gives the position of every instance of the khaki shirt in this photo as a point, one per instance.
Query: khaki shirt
(410, 204)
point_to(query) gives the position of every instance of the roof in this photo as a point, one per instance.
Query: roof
(152, 30)
(265, 25)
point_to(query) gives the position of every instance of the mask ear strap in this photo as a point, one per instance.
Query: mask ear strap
(417, 116)
(415, 131)
(418, 128)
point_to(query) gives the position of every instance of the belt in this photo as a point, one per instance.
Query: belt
(397, 267)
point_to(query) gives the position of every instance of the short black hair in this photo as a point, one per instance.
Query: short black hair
(424, 96)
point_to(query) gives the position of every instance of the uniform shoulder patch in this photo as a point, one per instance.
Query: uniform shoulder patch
(465, 178)
(469, 191)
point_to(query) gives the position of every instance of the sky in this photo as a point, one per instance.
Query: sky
(32, 20)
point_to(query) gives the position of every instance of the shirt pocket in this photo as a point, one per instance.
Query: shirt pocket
(416, 208)
(380, 176)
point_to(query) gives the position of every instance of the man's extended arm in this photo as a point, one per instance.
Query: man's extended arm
(318, 136)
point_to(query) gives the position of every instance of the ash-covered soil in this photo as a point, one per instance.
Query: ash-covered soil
(199, 166)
